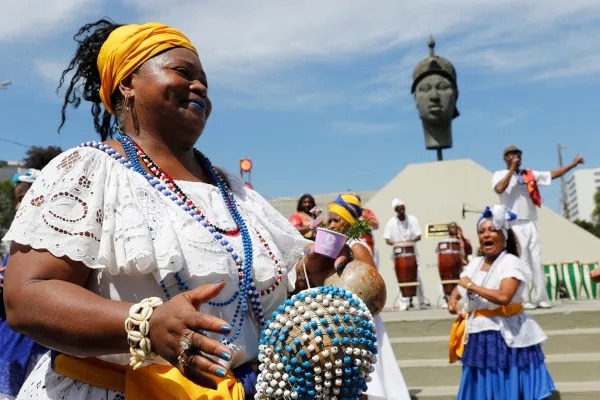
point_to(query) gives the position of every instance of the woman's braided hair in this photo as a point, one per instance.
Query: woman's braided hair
(85, 82)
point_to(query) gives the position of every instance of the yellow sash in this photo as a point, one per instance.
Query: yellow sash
(152, 382)
(458, 331)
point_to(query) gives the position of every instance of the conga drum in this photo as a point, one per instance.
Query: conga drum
(552, 281)
(405, 264)
(589, 286)
(572, 278)
(449, 263)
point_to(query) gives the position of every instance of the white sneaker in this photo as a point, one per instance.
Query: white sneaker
(400, 304)
(529, 306)
(444, 305)
(544, 304)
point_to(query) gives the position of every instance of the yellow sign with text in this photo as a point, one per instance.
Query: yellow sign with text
(436, 230)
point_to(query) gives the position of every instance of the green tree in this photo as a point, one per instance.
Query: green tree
(594, 226)
(7, 204)
(37, 157)
(591, 227)
(596, 212)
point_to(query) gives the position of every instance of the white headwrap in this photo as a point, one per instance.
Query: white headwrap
(27, 175)
(500, 217)
(396, 202)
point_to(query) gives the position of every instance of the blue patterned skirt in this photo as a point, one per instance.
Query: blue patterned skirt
(16, 354)
(494, 371)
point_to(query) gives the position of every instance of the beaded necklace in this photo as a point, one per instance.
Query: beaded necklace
(195, 212)
(171, 185)
(247, 292)
(472, 296)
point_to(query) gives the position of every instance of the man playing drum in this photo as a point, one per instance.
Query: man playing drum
(404, 229)
(466, 250)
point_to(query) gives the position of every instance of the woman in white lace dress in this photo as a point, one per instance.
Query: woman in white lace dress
(497, 343)
(137, 251)
(387, 380)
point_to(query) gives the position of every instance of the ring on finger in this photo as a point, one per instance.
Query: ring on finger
(183, 358)
(185, 344)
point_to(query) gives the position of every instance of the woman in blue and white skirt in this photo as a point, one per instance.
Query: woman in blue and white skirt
(498, 344)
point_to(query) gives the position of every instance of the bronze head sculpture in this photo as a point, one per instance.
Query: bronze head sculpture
(435, 90)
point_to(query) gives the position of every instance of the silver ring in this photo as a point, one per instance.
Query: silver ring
(185, 344)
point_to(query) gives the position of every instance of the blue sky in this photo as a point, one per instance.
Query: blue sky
(317, 93)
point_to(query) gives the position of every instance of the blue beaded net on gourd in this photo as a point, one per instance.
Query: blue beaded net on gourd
(320, 344)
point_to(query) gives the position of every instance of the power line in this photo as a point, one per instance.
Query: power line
(14, 142)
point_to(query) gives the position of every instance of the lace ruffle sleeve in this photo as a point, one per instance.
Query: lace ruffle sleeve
(88, 207)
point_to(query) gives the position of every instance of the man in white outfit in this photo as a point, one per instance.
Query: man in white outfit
(405, 228)
(518, 191)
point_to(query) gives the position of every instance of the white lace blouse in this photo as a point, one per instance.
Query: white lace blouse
(90, 208)
(519, 330)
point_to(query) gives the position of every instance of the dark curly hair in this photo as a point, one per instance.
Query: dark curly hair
(512, 244)
(85, 82)
(301, 200)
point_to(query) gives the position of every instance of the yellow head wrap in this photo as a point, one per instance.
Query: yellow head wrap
(128, 47)
(346, 206)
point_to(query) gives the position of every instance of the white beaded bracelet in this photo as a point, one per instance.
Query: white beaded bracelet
(137, 326)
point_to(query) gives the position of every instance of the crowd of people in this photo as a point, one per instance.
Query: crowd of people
(169, 267)
(493, 288)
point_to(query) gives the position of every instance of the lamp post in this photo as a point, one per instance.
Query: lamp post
(563, 186)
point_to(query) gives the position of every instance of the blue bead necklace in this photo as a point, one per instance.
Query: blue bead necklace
(247, 292)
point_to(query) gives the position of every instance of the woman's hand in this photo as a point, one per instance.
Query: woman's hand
(178, 320)
(453, 305)
(319, 267)
(464, 282)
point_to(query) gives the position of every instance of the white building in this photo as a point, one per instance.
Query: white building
(581, 187)
(8, 169)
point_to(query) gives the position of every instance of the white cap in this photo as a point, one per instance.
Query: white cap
(396, 202)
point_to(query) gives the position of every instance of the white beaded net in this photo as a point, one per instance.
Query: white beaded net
(320, 344)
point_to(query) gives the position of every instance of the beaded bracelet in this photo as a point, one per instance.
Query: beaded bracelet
(137, 326)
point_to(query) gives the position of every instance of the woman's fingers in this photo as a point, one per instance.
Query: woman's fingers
(309, 248)
(192, 370)
(321, 261)
(197, 321)
(344, 258)
(195, 358)
(202, 294)
(202, 370)
(208, 346)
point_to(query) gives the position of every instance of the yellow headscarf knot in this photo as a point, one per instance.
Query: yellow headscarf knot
(347, 206)
(128, 47)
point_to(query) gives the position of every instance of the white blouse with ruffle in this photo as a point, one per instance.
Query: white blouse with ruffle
(90, 208)
(519, 330)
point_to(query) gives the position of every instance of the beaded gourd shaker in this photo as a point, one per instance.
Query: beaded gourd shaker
(320, 344)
